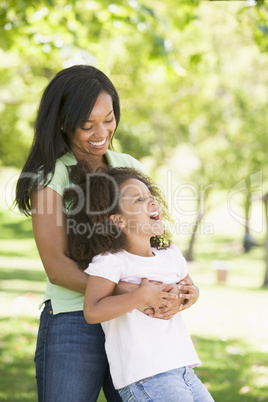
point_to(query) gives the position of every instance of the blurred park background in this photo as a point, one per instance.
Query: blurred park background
(193, 80)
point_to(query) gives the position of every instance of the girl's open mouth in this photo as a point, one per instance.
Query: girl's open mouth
(155, 216)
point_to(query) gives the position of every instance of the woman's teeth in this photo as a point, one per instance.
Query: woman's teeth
(97, 143)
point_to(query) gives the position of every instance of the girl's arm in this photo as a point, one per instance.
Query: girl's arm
(101, 304)
(50, 232)
(125, 287)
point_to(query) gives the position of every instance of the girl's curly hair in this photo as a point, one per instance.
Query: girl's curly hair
(92, 200)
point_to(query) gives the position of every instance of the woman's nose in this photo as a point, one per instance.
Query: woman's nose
(102, 132)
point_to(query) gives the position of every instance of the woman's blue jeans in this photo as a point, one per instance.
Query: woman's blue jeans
(178, 385)
(71, 364)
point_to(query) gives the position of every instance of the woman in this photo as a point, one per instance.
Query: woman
(77, 118)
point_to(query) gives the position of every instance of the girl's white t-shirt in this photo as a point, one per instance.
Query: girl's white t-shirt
(138, 346)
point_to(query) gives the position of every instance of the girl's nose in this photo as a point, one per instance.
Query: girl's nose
(153, 201)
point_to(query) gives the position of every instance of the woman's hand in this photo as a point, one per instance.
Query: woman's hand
(188, 291)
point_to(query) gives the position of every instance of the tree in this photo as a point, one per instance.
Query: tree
(227, 130)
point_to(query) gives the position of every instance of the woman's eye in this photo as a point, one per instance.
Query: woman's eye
(87, 128)
(109, 121)
(139, 199)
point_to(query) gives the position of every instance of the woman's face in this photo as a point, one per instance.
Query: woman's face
(94, 136)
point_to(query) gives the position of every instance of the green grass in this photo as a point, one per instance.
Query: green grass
(232, 370)
(229, 324)
(17, 373)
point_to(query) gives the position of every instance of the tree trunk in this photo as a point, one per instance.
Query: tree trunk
(248, 240)
(265, 200)
(190, 253)
(200, 208)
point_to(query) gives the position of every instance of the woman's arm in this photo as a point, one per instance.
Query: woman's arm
(50, 232)
(101, 304)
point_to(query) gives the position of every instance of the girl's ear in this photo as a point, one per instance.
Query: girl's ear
(117, 220)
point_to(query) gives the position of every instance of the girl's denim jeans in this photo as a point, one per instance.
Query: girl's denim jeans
(70, 359)
(178, 385)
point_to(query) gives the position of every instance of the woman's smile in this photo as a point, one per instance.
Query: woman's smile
(98, 144)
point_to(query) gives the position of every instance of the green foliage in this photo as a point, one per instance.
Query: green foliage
(163, 64)
(172, 70)
(257, 20)
(129, 40)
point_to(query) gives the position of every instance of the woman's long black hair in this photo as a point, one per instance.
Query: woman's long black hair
(92, 201)
(66, 104)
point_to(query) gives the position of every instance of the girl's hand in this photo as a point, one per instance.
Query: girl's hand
(165, 313)
(157, 296)
(187, 294)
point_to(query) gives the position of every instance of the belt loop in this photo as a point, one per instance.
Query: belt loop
(48, 305)
(186, 374)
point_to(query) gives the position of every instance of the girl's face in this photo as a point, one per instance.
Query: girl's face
(94, 136)
(140, 212)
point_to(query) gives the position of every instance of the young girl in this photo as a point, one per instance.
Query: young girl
(150, 359)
